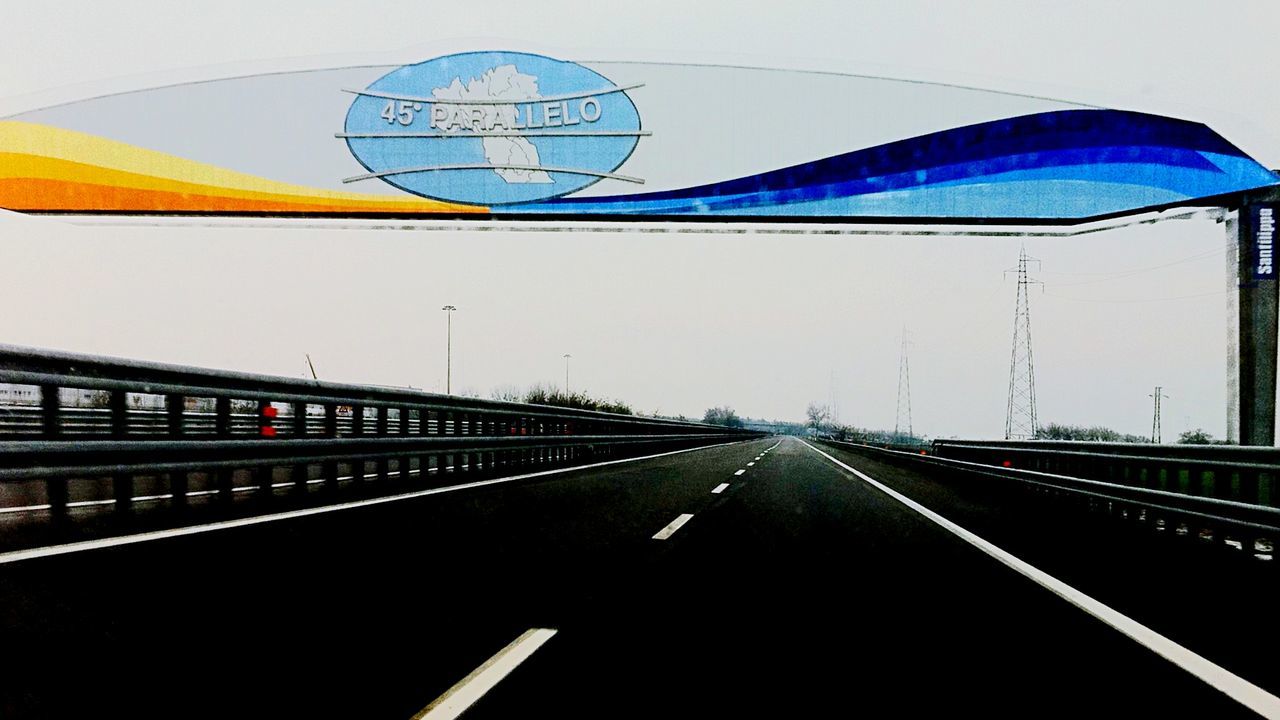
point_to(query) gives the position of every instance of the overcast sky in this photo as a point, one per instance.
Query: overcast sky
(674, 323)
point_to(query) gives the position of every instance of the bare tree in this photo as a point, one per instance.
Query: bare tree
(507, 393)
(817, 415)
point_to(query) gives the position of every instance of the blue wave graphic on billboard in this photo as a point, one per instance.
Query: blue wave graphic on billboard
(1057, 165)
(492, 128)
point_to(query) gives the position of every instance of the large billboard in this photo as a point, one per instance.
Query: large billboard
(505, 134)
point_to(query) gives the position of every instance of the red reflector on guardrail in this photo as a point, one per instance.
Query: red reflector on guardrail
(270, 411)
(1007, 463)
(268, 431)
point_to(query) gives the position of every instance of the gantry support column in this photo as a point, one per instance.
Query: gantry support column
(1254, 408)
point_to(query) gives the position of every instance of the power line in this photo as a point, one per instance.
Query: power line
(1123, 274)
(1136, 300)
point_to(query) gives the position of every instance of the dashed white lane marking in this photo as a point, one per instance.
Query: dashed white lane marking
(1239, 689)
(51, 550)
(720, 488)
(672, 527)
(471, 688)
(750, 464)
(739, 472)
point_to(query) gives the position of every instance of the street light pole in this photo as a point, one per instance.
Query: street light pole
(448, 372)
(566, 374)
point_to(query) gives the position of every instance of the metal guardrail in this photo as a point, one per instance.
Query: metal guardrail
(1230, 521)
(1229, 472)
(186, 432)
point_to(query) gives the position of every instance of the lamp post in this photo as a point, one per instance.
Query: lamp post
(448, 372)
(566, 374)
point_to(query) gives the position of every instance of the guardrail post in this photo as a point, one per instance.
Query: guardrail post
(299, 419)
(222, 429)
(460, 459)
(298, 473)
(174, 406)
(331, 420)
(119, 406)
(266, 419)
(357, 419)
(121, 485)
(442, 459)
(329, 471)
(264, 477)
(51, 427)
(50, 411)
(56, 490)
(222, 417)
(380, 429)
(404, 420)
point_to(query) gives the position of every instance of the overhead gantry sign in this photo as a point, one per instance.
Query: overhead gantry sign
(501, 134)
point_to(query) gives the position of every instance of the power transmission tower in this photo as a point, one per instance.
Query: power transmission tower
(1155, 417)
(904, 391)
(1020, 419)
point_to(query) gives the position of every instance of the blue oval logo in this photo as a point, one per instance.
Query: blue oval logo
(492, 128)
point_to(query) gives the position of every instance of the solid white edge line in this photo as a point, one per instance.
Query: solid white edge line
(52, 550)
(720, 488)
(673, 526)
(1236, 687)
(471, 688)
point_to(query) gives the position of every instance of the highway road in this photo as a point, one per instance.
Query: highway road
(760, 578)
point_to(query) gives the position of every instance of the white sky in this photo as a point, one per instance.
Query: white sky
(670, 322)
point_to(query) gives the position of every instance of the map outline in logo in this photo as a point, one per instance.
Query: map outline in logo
(492, 128)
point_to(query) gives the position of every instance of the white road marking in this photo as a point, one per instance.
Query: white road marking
(720, 488)
(471, 688)
(672, 527)
(24, 508)
(750, 464)
(52, 550)
(739, 472)
(1239, 689)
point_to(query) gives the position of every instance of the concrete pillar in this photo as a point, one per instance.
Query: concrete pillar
(1253, 228)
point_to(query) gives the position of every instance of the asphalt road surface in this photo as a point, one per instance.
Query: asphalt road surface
(723, 581)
